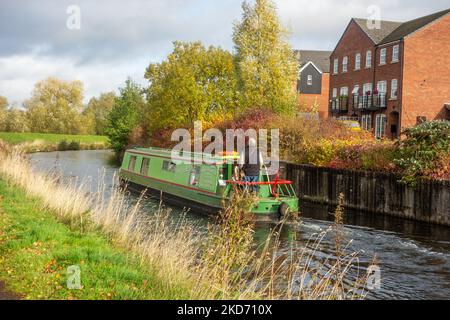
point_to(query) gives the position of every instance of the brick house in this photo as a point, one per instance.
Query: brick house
(314, 80)
(393, 76)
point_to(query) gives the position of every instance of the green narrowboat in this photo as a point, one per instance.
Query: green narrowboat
(202, 182)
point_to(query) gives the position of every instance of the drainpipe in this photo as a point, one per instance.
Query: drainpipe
(400, 86)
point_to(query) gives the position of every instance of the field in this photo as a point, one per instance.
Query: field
(17, 137)
(47, 142)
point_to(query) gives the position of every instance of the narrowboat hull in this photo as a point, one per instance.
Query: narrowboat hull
(196, 186)
(190, 200)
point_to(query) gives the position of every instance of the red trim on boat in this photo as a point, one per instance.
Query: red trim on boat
(260, 183)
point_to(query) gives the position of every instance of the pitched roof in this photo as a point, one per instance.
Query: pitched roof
(321, 59)
(377, 34)
(411, 26)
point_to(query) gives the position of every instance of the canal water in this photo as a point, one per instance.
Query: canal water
(413, 257)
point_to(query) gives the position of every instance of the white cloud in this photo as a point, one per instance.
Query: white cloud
(21, 72)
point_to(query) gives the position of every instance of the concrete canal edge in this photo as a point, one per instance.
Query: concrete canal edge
(373, 192)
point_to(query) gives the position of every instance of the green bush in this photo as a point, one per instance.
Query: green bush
(74, 145)
(63, 145)
(425, 149)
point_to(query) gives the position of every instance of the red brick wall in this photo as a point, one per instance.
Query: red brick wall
(391, 70)
(353, 41)
(426, 81)
(308, 100)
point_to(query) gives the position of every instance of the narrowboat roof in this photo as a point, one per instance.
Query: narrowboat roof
(151, 151)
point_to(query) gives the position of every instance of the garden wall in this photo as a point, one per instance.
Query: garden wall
(372, 192)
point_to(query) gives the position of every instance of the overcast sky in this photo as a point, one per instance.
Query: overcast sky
(119, 38)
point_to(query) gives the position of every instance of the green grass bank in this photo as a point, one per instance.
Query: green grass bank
(36, 250)
(46, 142)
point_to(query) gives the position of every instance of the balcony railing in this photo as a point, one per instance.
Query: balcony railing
(339, 104)
(370, 102)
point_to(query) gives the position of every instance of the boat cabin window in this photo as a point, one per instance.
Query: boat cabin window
(132, 163)
(145, 166)
(194, 176)
(169, 166)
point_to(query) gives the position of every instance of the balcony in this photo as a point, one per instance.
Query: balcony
(339, 104)
(371, 102)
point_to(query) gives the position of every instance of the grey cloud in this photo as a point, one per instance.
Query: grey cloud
(120, 38)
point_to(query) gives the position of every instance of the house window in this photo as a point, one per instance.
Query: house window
(382, 87)
(132, 163)
(383, 56)
(309, 80)
(395, 51)
(345, 64)
(366, 122)
(355, 94)
(394, 89)
(380, 126)
(145, 166)
(169, 166)
(344, 92)
(368, 59)
(336, 66)
(367, 88)
(334, 92)
(358, 61)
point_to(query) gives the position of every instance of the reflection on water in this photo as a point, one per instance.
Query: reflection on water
(414, 257)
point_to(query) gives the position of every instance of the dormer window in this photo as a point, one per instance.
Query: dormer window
(345, 64)
(309, 80)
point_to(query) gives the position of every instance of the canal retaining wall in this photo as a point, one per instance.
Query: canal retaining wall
(374, 192)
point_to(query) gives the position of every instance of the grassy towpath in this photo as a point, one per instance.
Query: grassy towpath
(36, 251)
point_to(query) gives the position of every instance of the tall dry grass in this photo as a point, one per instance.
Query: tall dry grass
(223, 264)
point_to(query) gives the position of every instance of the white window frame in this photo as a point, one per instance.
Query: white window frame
(382, 83)
(309, 80)
(394, 89)
(366, 122)
(365, 88)
(345, 64)
(380, 126)
(395, 53)
(369, 59)
(336, 66)
(358, 61)
(343, 91)
(383, 53)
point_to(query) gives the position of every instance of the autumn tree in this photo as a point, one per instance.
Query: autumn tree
(55, 107)
(16, 121)
(193, 83)
(3, 112)
(97, 111)
(266, 67)
(125, 115)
